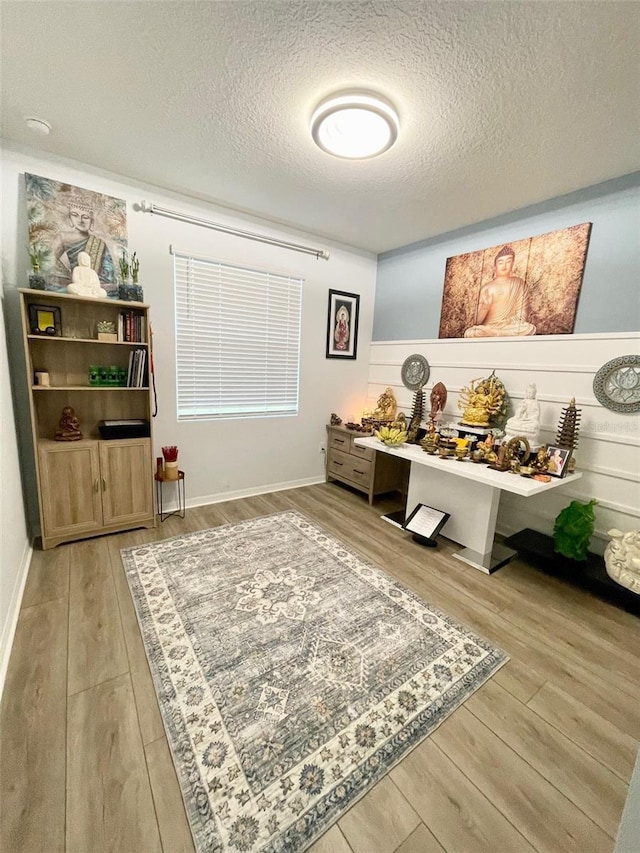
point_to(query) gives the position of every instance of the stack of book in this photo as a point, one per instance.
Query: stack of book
(137, 375)
(131, 326)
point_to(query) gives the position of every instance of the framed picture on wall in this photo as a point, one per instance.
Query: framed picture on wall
(342, 324)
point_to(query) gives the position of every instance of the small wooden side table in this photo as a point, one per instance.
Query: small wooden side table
(180, 494)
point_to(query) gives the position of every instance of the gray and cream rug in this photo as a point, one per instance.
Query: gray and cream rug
(291, 675)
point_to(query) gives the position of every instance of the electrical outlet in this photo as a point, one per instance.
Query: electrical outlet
(322, 448)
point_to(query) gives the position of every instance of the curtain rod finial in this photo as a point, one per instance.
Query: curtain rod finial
(144, 206)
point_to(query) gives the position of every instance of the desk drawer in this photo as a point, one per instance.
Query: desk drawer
(346, 467)
(361, 452)
(338, 464)
(360, 471)
(340, 441)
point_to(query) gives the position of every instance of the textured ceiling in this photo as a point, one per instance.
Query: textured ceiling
(501, 104)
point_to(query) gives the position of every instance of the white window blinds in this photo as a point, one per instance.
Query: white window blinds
(237, 340)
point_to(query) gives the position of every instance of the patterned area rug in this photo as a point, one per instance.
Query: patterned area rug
(291, 675)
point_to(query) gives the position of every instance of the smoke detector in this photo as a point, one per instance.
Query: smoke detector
(38, 125)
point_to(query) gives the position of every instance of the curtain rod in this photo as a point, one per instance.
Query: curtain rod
(149, 207)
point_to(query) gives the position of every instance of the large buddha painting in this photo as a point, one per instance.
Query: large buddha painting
(65, 220)
(526, 287)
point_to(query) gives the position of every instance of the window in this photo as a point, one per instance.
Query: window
(237, 340)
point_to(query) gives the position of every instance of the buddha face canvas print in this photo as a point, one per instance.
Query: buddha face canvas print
(66, 222)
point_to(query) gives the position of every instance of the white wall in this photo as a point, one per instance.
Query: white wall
(562, 366)
(15, 549)
(232, 457)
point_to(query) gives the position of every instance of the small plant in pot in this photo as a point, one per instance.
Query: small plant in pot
(127, 291)
(36, 257)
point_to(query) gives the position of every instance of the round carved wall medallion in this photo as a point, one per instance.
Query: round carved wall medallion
(617, 384)
(415, 372)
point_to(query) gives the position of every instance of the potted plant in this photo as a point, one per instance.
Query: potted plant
(36, 257)
(107, 331)
(123, 264)
(127, 291)
(135, 273)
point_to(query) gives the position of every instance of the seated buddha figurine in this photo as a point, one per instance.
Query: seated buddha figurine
(84, 279)
(526, 420)
(622, 558)
(541, 462)
(69, 426)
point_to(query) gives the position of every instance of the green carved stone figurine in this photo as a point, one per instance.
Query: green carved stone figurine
(573, 529)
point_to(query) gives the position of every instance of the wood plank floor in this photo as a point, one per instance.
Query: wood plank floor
(538, 759)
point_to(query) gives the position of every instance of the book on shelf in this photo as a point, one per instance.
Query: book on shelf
(137, 373)
(131, 326)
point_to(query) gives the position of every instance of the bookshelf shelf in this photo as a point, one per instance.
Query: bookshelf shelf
(92, 341)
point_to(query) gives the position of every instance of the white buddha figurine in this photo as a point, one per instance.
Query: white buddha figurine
(526, 420)
(622, 558)
(84, 279)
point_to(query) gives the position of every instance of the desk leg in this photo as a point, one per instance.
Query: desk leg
(473, 508)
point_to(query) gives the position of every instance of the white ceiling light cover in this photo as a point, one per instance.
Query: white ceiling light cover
(355, 125)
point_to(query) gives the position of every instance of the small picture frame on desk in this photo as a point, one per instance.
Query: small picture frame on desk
(425, 522)
(45, 320)
(557, 460)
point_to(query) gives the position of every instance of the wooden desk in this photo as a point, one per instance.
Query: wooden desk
(470, 493)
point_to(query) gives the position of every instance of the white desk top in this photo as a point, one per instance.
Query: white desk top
(504, 480)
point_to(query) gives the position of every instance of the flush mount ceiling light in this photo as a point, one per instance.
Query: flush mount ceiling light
(354, 125)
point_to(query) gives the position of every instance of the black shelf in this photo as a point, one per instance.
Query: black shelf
(589, 574)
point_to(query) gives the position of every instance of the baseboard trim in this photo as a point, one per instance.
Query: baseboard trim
(204, 500)
(9, 630)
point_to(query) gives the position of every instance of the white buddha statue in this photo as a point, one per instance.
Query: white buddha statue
(622, 558)
(84, 279)
(526, 420)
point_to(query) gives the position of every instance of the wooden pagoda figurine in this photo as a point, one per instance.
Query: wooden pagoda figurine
(569, 426)
(417, 413)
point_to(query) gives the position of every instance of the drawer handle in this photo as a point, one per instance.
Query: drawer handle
(339, 464)
(339, 440)
(355, 471)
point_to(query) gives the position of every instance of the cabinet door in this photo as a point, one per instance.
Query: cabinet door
(70, 482)
(127, 482)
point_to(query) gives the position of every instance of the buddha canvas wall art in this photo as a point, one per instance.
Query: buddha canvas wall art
(522, 288)
(65, 221)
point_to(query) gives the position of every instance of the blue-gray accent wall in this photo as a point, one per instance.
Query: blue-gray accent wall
(410, 279)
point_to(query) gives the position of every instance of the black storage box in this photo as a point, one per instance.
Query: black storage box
(130, 428)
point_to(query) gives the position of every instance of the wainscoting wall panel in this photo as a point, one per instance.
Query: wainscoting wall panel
(562, 366)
